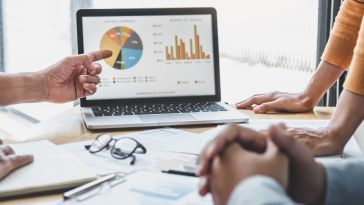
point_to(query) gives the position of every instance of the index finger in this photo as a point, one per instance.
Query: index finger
(99, 55)
(18, 161)
(88, 58)
(256, 99)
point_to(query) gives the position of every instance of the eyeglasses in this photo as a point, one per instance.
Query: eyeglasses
(122, 148)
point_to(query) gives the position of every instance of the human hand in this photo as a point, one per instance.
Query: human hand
(9, 161)
(236, 164)
(73, 77)
(247, 138)
(306, 177)
(277, 102)
(321, 142)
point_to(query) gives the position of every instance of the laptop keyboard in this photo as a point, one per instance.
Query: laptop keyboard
(143, 109)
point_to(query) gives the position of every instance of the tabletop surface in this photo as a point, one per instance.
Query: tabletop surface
(69, 127)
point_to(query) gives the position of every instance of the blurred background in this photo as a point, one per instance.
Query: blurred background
(265, 45)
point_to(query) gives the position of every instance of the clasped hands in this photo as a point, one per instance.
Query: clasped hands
(238, 153)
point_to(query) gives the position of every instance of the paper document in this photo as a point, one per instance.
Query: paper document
(152, 188)
(351, 149)
(160, 144)
(52, 169)
(259, 124)
(167, 139)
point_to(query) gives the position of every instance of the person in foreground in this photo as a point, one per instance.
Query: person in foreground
(69, 79)
(272, 168)
(345, 49)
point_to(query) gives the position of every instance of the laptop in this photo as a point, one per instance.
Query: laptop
(164, 70)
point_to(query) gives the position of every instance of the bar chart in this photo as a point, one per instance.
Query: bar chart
(180, 51)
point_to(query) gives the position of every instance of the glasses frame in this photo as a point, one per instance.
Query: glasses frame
(115, 152)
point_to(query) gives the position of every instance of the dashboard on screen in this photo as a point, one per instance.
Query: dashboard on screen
(153, 56)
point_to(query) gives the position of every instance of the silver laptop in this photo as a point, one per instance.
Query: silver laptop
(164, 70)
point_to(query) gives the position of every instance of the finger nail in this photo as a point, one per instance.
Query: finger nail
(209, 150)
(89, 92)
(202, 182)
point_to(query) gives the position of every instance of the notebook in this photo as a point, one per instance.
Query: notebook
(52, 169)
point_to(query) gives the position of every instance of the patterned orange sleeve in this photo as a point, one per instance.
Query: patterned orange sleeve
(340, 47)
(355, 79)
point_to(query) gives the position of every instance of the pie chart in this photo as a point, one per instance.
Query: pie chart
(126, 46)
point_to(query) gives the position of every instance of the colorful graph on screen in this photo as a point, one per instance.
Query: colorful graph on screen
(180, 52)
(126, 45)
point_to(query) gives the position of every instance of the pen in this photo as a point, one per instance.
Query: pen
(178, 172)
(87, 187)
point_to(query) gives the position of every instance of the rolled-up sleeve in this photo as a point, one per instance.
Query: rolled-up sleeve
(340, 47)
(355, 79)
(259, 190)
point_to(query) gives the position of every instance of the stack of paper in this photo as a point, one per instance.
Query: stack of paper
(52, 169)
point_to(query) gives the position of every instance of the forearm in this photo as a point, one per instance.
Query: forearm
(324, 77)
(21, 88)
(347, 117)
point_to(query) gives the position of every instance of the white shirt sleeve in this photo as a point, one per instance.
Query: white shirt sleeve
(259, 190)
(345, 182)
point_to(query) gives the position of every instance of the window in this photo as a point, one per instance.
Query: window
(264, 45)
(36, 35)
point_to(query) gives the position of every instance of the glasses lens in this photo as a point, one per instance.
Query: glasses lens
(124, 147)
(100, 142)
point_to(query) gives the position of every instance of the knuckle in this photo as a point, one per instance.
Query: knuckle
(15, 160)
(231, 126)
(67, 59)
(92, 56)
(263, 106)
(291, 140)
(6, 148)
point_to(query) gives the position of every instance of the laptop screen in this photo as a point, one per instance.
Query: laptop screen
(153, 56)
